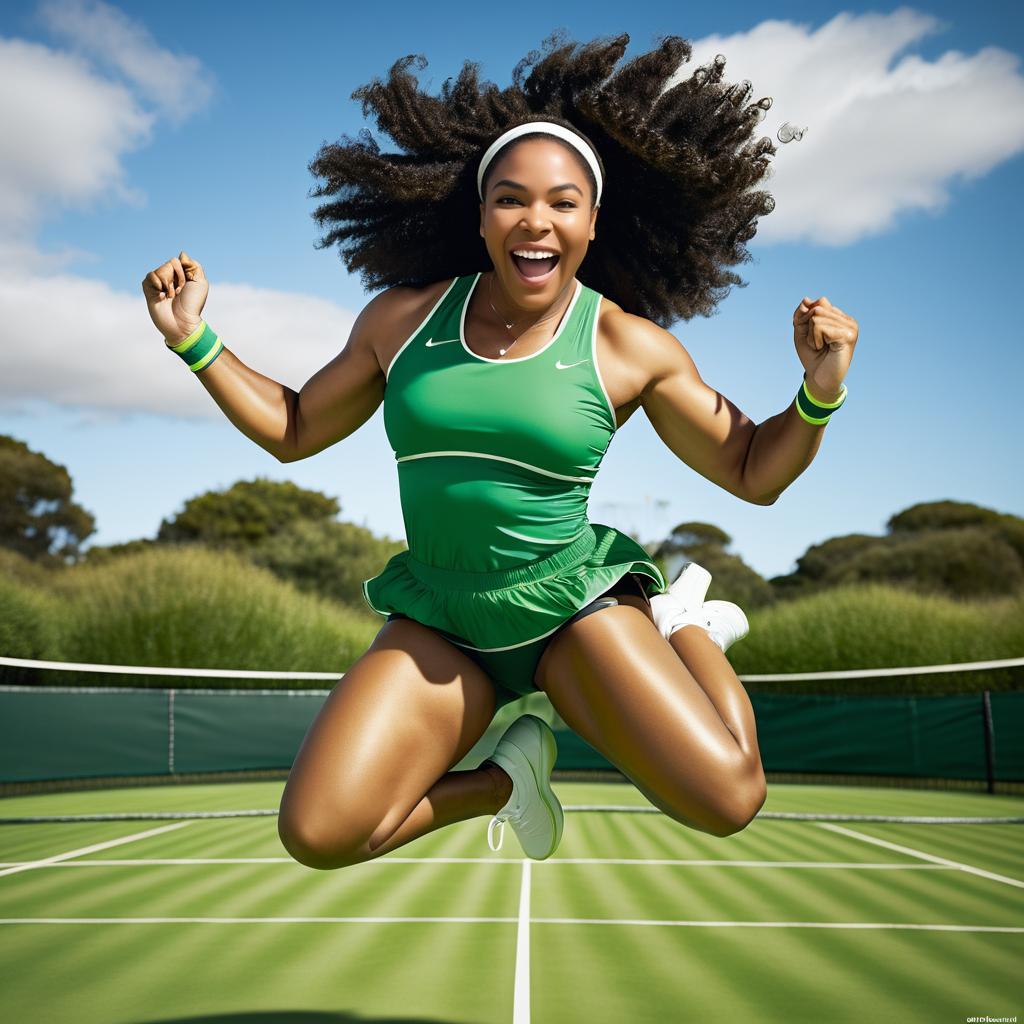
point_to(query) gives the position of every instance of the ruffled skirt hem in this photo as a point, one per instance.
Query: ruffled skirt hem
(512, 616)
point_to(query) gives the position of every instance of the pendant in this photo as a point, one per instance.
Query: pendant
(502, 351)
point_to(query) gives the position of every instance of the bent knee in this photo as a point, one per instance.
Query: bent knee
(323, 849)
(747, 802)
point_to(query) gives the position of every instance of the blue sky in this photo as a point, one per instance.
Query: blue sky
(132, 131)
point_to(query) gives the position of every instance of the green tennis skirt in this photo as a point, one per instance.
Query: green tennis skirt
(505, 619)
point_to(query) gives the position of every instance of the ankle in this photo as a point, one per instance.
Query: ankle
(501, 782)
(690, 629)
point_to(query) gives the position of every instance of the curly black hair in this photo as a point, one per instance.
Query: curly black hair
(678, 164)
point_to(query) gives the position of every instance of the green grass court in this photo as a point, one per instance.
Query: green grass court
(635, 919)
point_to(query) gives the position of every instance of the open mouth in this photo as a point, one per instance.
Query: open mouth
(534, 272)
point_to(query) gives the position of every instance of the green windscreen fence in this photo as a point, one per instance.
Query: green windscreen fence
(51, 733)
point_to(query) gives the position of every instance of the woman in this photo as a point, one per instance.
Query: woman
(506, 378)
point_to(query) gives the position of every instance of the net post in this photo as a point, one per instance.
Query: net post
(170, 731)
(990, 741)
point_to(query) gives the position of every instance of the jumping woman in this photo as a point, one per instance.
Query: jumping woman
(506, 361)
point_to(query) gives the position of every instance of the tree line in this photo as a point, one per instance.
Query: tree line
(951, 548)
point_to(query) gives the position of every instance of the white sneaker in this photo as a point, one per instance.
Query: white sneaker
(725, 622)
(682, 600)
(691, 585)
(527, 752)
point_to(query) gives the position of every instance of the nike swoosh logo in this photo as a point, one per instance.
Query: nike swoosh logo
(431, 343)
(561, 366)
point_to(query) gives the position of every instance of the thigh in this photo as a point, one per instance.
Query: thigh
(403, 715)
(628, 590)
(514, 671)
(503, 668)
(616, 681)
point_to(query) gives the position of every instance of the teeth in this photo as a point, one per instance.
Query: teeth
(531, 255)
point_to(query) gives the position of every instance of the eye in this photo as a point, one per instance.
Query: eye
(572, 205)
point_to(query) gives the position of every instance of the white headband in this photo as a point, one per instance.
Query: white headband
(549, 128)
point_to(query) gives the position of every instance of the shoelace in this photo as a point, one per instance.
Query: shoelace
(500, 819)
(500, 822)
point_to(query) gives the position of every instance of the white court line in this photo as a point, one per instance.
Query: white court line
(259, 920)
(505, 862)
(28, 865)
(788, 924)
(521, 999)
(511, 920)
(1005, 879)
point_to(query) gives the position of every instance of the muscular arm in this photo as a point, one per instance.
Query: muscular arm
(781, 449)
(332, 404)
(339, 398)
(756, 462)
(697, 423)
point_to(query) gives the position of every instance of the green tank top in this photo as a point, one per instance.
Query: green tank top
(496, 458)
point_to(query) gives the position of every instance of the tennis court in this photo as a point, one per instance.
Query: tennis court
(165, 917)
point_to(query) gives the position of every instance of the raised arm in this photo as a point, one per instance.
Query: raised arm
(754, 461)
(339, 398)
(290, 425)
(700, 426)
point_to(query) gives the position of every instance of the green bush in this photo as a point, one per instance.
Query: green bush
(28, 627)
(15, 566)
(325, 557)
(871, 625)
(192, 607)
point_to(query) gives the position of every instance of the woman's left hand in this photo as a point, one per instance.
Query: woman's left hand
(825, 338)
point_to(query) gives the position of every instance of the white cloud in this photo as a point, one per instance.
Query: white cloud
(882, 139)
(65, 128)
(82, 344)
(63, 132)
(176, 83)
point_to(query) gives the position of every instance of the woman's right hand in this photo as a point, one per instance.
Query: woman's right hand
(175, 294)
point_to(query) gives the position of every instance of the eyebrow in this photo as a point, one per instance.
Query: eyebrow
(522, 188)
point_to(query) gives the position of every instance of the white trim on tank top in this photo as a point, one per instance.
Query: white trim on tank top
(597, 369)
(542, 540)
(522, 359)
(499, 458)
(423, 323)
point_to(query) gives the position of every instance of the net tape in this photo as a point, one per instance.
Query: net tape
(221, 673)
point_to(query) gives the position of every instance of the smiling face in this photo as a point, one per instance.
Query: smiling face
(538, 196)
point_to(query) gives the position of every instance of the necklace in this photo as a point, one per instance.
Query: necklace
(508, 326)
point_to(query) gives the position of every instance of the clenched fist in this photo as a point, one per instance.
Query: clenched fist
(175, 294)
(825, 338)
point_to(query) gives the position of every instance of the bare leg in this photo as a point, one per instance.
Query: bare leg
(374, 769)
(709, 666)
(455, 797)
(617, 683)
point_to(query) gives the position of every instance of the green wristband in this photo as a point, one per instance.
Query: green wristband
(813, 411)
(200, 348)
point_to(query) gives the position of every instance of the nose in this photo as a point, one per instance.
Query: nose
(535, 217)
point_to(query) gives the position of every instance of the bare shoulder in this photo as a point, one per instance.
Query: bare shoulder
(393, 314)
(636, 351)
